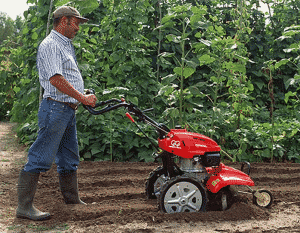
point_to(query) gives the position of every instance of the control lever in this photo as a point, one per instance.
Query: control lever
(130, 117)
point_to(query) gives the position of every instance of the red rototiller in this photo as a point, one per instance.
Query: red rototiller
(198, 177)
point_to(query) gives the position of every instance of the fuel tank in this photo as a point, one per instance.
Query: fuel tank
(186, 144)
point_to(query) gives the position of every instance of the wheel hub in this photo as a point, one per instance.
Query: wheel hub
(183, 197)
(183, 201)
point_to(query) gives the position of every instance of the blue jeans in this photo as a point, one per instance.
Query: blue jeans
(56, 140)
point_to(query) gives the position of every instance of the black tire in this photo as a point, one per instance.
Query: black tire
(153, 176)
(269, 199)
(222, 200)
(192, 196)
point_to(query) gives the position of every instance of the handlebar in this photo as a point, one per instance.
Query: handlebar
(104, 110)
(131, 108)
(92, 110)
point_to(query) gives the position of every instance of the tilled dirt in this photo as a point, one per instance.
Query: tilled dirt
(116, 202)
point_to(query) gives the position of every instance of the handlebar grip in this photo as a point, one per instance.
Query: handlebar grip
(129, 116)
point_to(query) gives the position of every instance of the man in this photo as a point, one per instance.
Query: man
(57, 137)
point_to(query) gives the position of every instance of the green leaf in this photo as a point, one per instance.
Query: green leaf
(26, 80)
(234, 66)
(34, 36)
(95, 151)
(220, 30)
(25, 30)
(288, 95)
(95, 29)
(173, 38)
(87, 6)
(87, 155)
(174, 112)
(289, 82)
(178, 70)
(195, 91)
(283, 37)
(110, 81)
(169, 78)
(259, 84)
(198, 35)
(135, 100)
(165, 90)
(297, 27)
(62, 2)
(93, 40)
(188, 71)
(166, 54)
(206, 59)
(206, 42)
(190, 63)
(167, 18)
(135, 142)
(17, 89)
(86, 141)
(281, 62)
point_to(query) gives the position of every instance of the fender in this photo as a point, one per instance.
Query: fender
(223, 176)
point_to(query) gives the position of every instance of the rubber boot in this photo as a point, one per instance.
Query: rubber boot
(26, 191)
(69, 187)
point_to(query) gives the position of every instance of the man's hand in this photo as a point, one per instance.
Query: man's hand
(89, 100)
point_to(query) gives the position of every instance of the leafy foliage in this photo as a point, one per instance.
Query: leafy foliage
(9, 40)
(220, 67)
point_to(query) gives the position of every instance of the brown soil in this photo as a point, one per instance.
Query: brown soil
(116, 201)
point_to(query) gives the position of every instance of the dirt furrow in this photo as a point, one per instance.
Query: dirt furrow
(114, 193)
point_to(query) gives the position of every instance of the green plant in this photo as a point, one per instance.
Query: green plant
(179, 25)
(197, 63)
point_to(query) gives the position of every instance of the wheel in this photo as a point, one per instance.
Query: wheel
(222, 200)
(182, 194)
(264, 198)
(155, 182)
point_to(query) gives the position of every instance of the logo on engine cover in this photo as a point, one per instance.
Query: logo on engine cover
(175, 144)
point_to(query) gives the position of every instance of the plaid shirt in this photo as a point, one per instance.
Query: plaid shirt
(56, 55)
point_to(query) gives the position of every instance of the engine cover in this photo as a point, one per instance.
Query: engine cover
(186, 144)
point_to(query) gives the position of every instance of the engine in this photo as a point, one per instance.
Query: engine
(193, 168)
(196, 167)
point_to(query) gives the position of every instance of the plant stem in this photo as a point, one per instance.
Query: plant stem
(271, 93)
(232, 159)
(159, 40)
(182, 77)
(110, 143)
(214, 106)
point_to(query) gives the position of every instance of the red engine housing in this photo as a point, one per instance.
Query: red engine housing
(185, 144)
